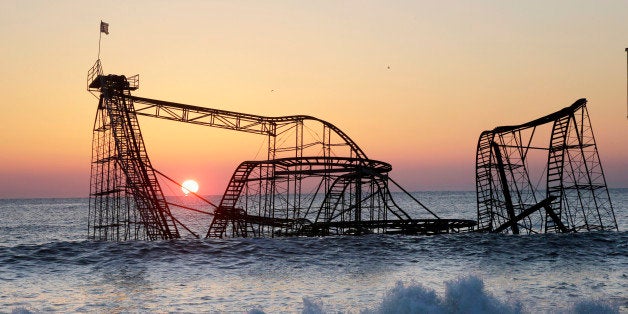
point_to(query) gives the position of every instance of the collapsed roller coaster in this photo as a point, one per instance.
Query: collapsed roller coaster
(516, 195)
(315, 181)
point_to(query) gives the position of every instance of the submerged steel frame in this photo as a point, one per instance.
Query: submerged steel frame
(126, 201)
(315, 180)
(575, 196)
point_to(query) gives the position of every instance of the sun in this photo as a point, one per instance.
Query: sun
(189, 186)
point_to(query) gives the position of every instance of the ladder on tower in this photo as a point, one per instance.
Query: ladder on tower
(140, 177)
(556, 158)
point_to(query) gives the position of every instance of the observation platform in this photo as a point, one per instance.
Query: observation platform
(119, 82)
(97, 81)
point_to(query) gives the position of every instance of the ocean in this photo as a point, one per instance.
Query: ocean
(48, 265)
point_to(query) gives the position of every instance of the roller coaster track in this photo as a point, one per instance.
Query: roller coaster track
(228, 213)
(264, 198)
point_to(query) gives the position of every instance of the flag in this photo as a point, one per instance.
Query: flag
(104, 27)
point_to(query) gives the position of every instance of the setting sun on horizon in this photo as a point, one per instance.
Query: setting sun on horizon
(414, 83)
(189, 186)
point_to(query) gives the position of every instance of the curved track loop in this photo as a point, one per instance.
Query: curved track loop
(348, 196)
(272, 174)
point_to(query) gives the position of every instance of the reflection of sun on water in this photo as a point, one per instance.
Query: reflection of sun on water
(189, 186)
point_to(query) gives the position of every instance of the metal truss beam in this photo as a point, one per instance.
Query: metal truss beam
(230, 120)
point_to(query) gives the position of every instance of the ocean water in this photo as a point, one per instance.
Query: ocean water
(47, 265)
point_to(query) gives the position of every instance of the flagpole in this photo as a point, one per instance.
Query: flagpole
(626, 83)
(99, 38)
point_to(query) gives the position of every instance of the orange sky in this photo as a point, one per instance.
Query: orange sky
(456, 69)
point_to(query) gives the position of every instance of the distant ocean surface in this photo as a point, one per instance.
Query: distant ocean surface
(47, 265)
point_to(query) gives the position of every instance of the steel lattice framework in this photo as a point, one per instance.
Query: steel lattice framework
(575, 196)
(126, 200)
(315, 181)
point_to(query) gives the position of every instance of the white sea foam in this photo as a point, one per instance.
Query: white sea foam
(464, 295)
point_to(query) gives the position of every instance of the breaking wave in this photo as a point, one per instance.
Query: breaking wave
(464, 295)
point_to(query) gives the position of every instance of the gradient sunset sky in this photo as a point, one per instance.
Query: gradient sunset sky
(414, 83)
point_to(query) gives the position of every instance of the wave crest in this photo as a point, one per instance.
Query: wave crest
(464, 295)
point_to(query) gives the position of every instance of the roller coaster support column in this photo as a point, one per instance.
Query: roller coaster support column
(502, 175)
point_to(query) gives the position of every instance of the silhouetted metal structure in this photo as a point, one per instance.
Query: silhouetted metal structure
(315, 180)
(126, 200)
(574, 197)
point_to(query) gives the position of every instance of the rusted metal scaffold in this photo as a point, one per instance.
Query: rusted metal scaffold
(569, 195)
(315, 181)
